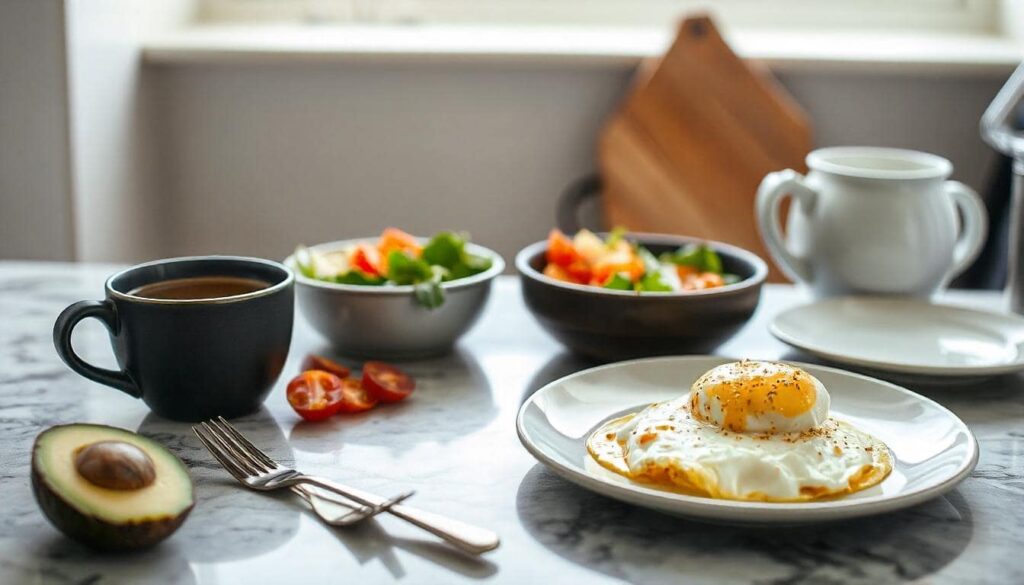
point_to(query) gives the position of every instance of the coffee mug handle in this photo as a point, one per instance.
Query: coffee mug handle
(104, 311)
(773, 188)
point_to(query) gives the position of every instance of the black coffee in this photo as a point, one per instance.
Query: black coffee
(199, 287)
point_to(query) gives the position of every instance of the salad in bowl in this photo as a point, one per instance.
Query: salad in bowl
(618, 263)
(620, 296)
(396, 259)
(395, 296)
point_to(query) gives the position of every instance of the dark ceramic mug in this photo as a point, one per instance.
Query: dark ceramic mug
(190, 359)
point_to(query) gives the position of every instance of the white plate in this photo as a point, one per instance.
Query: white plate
(933, 450)
(905, 336)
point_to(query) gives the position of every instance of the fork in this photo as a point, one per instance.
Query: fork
(256, 470)
(325, 506)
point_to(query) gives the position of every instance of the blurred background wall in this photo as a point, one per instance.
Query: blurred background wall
(35, 175)
(258, 158)
(253, 158)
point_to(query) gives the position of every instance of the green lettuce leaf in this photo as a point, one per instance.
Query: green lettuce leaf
(652, 282)
(404, 269)
(619, 282)
(699, 256)
(445, 249)
(429, 293)
(358, 277)
(471, 264)
(448, 250)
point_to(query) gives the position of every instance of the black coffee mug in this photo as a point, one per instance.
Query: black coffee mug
(190, 359)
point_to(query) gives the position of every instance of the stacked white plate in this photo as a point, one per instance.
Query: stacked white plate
(904, 336)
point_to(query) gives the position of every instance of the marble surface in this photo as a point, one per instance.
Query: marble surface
(455, 443)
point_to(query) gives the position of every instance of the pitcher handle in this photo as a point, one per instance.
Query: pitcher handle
(974, 227)
(773, 188)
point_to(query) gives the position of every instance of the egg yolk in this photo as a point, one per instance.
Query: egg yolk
(749, 388)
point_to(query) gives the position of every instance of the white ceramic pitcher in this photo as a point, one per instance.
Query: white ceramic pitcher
(872, 221)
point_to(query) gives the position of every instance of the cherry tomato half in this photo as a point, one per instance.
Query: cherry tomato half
(560, 249)
(580, 271)
(355, 398)
(367, 260)
(319, 362)
(386, 383)
(315, 394)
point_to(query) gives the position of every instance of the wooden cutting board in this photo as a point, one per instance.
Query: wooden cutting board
(688, 147)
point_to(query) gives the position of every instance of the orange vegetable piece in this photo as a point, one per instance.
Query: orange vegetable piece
(395, 239)
(702, 280)
(560, 249)
(557, 272)
(630, 265)
(686, 272)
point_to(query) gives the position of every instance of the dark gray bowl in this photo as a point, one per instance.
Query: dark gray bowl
(616, 325)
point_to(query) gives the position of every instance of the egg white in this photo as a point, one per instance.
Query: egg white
(664, 444)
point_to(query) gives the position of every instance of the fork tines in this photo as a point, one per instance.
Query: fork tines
(243, 460)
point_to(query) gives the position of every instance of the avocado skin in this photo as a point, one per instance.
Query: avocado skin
(94, 532)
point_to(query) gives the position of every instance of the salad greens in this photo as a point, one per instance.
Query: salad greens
(702, 258)
(617, 263)
(698, 256)
(397, 259)
(356, 277)
(619, 281)
(652, 279)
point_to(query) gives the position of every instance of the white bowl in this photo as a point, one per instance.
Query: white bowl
(387, 322)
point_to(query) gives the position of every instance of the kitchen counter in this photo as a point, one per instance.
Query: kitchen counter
(454, 442)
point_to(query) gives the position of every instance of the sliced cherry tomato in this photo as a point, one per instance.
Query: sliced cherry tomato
(395, 239)
(315, 394)
(319, 362)
(366, 259)
(386, 383)
(355, 398)
(560, 249)
(580, 272)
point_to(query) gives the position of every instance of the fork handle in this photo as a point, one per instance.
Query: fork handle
(469, 538)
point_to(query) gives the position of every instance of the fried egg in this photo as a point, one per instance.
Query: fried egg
(749, 430)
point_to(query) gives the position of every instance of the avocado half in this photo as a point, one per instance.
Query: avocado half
(100, 517)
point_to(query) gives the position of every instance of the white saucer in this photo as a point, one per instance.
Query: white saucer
(932, 449)
(905, 336)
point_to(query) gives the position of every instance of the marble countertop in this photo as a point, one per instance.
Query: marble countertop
(454, 442)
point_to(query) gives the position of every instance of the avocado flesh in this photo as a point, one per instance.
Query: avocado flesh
(106, 518)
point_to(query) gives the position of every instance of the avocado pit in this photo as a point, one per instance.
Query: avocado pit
(115, 465)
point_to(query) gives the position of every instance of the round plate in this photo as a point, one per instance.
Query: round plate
(932, 449)
(905, 336)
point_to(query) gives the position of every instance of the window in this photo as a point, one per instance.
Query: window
(980, 16)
